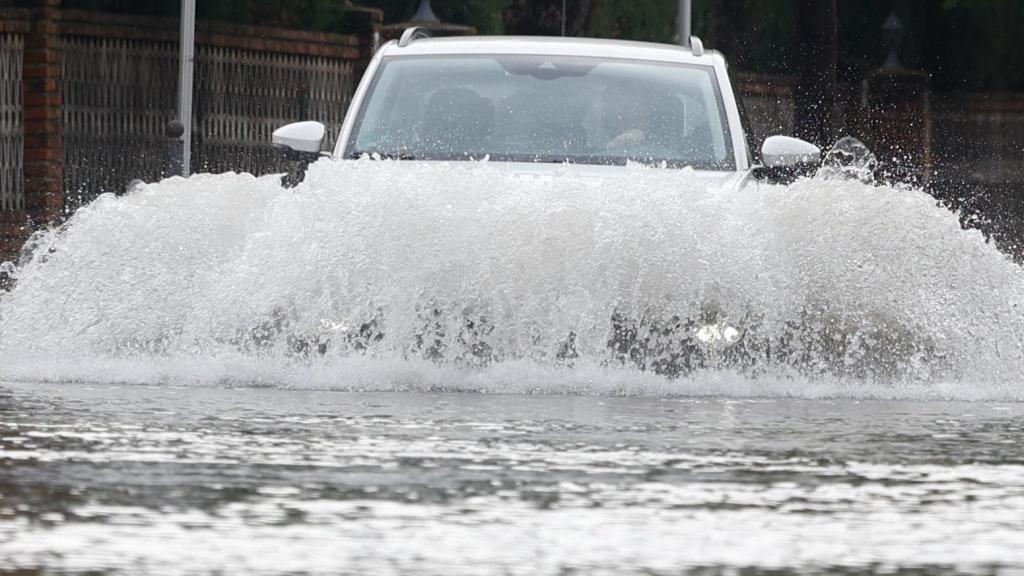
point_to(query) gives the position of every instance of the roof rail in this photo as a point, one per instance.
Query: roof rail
(412, 33)
(696, 46)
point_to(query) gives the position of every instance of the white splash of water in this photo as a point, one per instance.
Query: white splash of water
(384, 275)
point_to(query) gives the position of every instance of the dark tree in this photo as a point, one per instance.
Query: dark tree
(816, 94)
(726, 24)
(544, 17)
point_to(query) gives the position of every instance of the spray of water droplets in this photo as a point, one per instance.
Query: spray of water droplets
(397, 275)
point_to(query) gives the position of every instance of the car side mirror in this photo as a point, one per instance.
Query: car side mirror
(785, 158)
(300, 142)
(302, 137)
(786, 151)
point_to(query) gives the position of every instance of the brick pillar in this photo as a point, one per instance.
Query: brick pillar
(43, 117)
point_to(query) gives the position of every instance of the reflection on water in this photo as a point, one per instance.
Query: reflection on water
(139, 480)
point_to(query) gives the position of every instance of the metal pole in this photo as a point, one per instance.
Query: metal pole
(683, 22)
(424, 13)
(188, 45)
(563, 18)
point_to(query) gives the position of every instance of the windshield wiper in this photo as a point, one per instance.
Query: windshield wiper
(383, 155)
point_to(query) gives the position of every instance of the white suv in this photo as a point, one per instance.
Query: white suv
(531, 104)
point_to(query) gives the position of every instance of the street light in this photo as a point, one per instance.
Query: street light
(187, 54)
(892, 32)
(683, 25)
(424, 13)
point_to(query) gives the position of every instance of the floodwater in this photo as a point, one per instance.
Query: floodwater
(115, 479)
(403, 368)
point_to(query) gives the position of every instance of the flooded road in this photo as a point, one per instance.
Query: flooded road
(108, 479)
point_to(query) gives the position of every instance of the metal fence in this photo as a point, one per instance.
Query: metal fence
(11, 181)
(119, 95)
(242, 96)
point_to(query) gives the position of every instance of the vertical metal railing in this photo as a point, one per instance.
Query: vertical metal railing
(186, 63)
(120, 94)
(11, 126)
(118, 97)
(243, 95)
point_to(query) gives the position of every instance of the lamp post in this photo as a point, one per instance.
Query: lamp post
(424, 13)
(563, 18)
(892, 32)
(187, 52)
(683, 22)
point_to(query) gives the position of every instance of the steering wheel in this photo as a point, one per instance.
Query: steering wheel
(631, 144)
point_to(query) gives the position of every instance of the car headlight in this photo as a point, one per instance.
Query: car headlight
(718, 333)
(328, 327)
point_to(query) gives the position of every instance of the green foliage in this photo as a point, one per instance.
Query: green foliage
(649, 20)
(964, 44)
(320, 15)
(976, 45)
(764, 32)
(484, 15)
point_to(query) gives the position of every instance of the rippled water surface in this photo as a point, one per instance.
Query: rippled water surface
(165, 480)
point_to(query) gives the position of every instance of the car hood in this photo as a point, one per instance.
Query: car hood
(723, 180)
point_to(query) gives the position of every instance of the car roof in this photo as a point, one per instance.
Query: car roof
(549, 46)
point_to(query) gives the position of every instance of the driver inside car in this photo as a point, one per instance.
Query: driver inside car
(638, 122)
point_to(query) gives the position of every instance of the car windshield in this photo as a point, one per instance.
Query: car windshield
(526, 108)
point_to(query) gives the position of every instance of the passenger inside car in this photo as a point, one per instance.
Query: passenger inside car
(544, 109)
(640, 122)
(456, 120)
